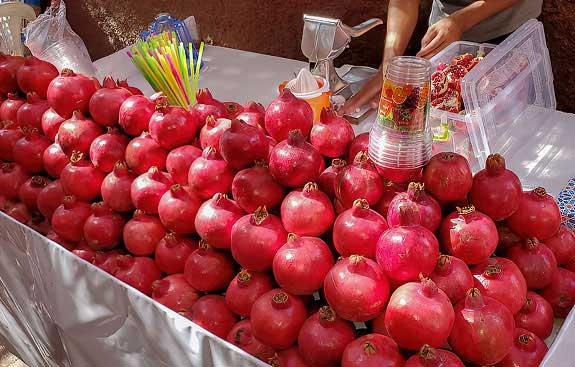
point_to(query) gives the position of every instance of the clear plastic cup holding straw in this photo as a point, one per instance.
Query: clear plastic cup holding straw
(400, 140)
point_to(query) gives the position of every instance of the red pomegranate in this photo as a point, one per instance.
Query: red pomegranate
(9, 108)
(254, 114)
(29, 150)
(537, 216)
(50, 198)
(430, 357)
(148, 188)
(448, 177)
(9, 66)
(562, 244)
(30, 190)
(85, 252)
(536, 262)
(175, 293)
(171, 126)
(35, 76)
(12, 176)
(103, 229)
(254, 187)
(71, 246)
(209, 270)
(233, 109)
(19, 212)
(210, 312)
(372, 350)
(115, 188)
(327, 179)
(178, 208)
(241, 336)
(107, 149)
(179, 161)
(210, 174)
(77, 134)
(359, 144)
(245, 289)
(507, 237)
(124, 84)
(288, 358)
(429, 209)
(307, 211)
(143, 233)
(135, 113)
(69, 218)
(536, 315)
(143, 153)
(215, 219)
(173, 251)
(212, 131)
(81, 179)
(242, 144)
(138, 272)
(528, 350)
(108, 260)
(453, 277)
(207, 106)
(105, 104)
(30, 113)
(331, 135)
(288, 113)
(51, 122)
(70, 92)
(9, 135)
(54, 160)
(359, 180)
(560, 293)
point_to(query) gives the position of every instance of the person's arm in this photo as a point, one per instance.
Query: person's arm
(451, 28)
(401, 21)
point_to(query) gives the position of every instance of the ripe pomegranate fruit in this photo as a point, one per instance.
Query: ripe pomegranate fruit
(81, 179)
(107, 149)
(138, 272)
(212, 131)
(300, 266)
(469, 235)
(254, 187)
(560, 293)
(143, 233)
(507, 237)
(241, 336)
(77, 134)
(535, 260)
(254, 114)
(359, 180)
(148, 188)
(51, 122)
(307, 211)
(243, 144)
(207, 106)
(9, 108)
(171, 126)
(29, 150)
(143, 153)
(528, 350)
(430, 357)
(372, 350)
(35, 76)
(70, 246)
(70, 92)
(124, 84)
(502, 280)
(178, 208)
(323, 338)
(30, 190)
(405, 251)
(85, 252)
(483, 329)
(448, 177)
(211, 313)
(359, 144)
(9, 135)
(30, 113)
(50, 198)
(245, 289)
(135, 113)
(562, 244)
(9, 66)
(277, 318)
(12, 176)
(115, 188)
(105, 104)
(209, 270)
(536, 315)
(453, 277)
(175, 293)
(537, 216)
(294, 162)
(256, 238)
(327, 179)
(215, 218)
(356, 288)
(331, 135)
(172, 252)
(288, 113)
(108, 260)
(288, 358)
(209, 174)
(19, 212)
(54, 160)
(429, 209)
(103, 229)
(179, 161)
(69, 218)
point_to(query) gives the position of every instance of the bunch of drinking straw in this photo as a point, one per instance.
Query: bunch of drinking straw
(163, 62)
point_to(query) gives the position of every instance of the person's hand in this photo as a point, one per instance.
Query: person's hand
(439, 36)
(368, 94)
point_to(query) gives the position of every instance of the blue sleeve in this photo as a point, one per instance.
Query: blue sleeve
(33, 2)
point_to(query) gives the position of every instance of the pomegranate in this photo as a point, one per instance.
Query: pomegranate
(69, 218)
(50, 198)
(357, 230)
(9, 135)
(241, 336)
(378, 324)
(148, 188)
(9, 66)
(469, 235)
(254, 187)
(453, 277)
(103, 229)
(70, 92)
(12, 176)
(173, 251)
(108, 261)
(359, 180)
(448, 177)
(562, 244)
(51, 122)
(175, 293)
(243, 144)
(9, 108)
(210, 312)
(502, 280)
(288, 358)
(138, 272)
(29, 150)
(255, 239)
(19, 212)
(206, 106)
(135, 113)
(70, 246)
(115, 188)
(85, 252)
(233, 109)
(536, 315)
(288, 113)
(326, 180)
(430, 357)
(142, 234)
(323, 338)
(209, 270)
(81, 179)
(245, 289)
(105, 104)
(570, 265)
(179, 161)
(294, 162)
(301, 265)
(359, 144)
(537, 216)
(212, 131)
(107, 149)
(35, 76)
(483, 329)
(254, 114)
(405, 251)
(372, 350)
(171, 126)
(124, 84)
(536, 262)
(277, 318)
(178, 208)
(429, 209)
(215, 218)
(143, 153)
(30, 189)
(356, 288)
(496, 190)
(331, 135)
(77, 134)
(209, 174)
(54, 160)
(30, 113)
(560, 293)
(528, 350)
(307, 211)
(507, 237)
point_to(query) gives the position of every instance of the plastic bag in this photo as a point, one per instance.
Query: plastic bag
(50, 38)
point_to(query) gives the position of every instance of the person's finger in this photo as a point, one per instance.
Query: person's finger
(370, 90)
(429, 35)
(438, 40)
(374, 102)
(434, 51)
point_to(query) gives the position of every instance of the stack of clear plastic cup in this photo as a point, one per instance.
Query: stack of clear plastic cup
(400, 140)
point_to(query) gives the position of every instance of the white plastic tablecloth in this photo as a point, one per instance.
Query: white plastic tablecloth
(58, 310)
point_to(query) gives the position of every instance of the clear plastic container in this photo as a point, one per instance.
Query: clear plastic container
(513, 77)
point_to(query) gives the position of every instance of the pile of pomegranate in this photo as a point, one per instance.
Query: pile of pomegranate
(277, 234)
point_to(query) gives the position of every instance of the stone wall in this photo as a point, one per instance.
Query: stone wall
(274, 27)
